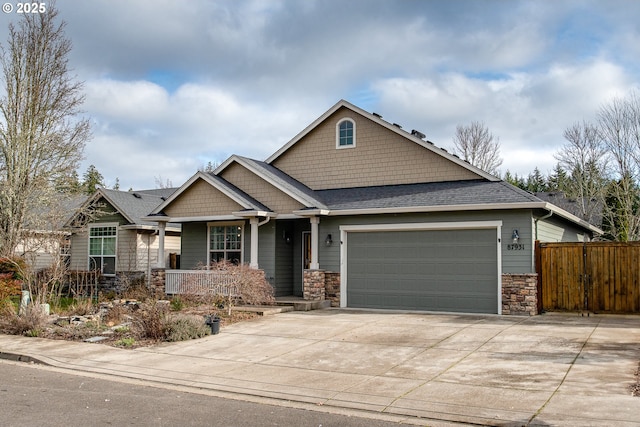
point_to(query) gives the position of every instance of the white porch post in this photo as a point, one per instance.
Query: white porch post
(253, 262)
(161, 232)
(314, 243)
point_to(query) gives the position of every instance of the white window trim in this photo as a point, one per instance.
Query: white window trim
(424, 226)
(224, 224)
(103, 225)
(353, 122)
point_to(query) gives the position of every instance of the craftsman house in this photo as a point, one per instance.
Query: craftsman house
(357, 210)
(109, 234)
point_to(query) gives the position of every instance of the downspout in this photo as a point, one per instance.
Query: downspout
(260, 224)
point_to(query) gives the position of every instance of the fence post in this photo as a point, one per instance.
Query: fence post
(538, 261)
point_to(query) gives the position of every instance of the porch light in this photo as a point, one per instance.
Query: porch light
(328, 241)
(515, 236)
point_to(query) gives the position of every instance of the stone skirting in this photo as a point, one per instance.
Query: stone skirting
(520, 294)
(332, 287)
(313, 285)
(157, 281)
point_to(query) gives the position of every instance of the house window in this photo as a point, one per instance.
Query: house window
(346, 134)
(102, 249)
(225, 243)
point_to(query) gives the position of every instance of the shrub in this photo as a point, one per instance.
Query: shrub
(176, 304)
(32, 320)
(185, 327)
(149, 322)
(125, 342)
(81, 307)
(10, 278)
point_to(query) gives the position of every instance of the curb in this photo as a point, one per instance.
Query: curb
(21, 358)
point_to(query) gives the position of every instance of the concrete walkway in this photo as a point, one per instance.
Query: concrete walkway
(546, 370)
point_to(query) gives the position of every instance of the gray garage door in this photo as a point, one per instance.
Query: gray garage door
(443, 270)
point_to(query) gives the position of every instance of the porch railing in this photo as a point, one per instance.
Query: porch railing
(200, 282)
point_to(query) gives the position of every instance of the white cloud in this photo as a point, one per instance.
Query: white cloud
(176, 84)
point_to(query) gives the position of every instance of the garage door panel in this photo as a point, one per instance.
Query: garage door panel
(436, 270)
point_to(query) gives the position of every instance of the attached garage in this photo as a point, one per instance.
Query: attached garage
(450, 267)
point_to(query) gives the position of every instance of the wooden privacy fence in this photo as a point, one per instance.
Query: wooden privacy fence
(602, 277)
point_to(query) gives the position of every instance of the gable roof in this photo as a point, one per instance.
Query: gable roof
(390, 126)
(277, 178)
(132, 205)
(247, 202)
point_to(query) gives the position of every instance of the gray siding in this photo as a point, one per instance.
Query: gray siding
(266, 253)
(554, 230)
(193, 249)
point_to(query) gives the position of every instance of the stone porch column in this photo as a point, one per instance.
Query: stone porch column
(253, 262)
(314, 243)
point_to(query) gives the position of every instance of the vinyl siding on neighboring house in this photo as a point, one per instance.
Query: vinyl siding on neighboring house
(79, 257)
(79, 251)
(259, 189)
(380, 157)
(202, 199)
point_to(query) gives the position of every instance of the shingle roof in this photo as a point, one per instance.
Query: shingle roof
(135, 205)
(574, 206)
(284, 181)
(426, 194)
(244, 197)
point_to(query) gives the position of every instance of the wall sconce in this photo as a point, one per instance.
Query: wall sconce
(515, 236)
(328, 241)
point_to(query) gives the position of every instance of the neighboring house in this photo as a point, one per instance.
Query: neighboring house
(115, 239)
(591, 210)
(44, 240)
(358, 210)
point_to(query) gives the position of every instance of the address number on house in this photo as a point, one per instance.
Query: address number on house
(515, 247)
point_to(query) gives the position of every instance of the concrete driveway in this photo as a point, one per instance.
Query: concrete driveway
(409, 367)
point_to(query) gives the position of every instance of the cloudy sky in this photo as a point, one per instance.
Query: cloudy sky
(172, 85)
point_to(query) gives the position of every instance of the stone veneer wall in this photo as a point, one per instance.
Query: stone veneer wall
(332, 287)
(520, 294)
(156, 284)
(313, 282)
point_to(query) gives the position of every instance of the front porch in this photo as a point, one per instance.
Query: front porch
(318, 285)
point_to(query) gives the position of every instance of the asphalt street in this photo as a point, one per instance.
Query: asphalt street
(34, 395)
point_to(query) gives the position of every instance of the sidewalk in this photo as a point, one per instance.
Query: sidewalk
(546, 370)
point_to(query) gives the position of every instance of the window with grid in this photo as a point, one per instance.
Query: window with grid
(346, 134)
(225, 243)
(102, 249)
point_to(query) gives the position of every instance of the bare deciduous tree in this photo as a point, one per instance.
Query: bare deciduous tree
(42, 137)
(475, 144)
(619, 128)
(583, 157)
